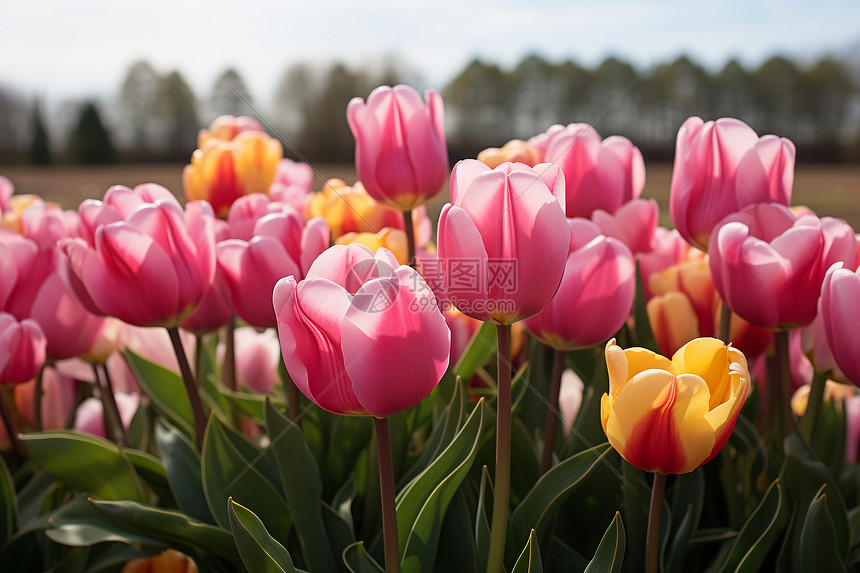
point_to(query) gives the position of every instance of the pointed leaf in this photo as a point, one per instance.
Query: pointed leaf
(86, 463)
(300, 478)
(760, 532)
(182, 466)
(529, 560)
(259, 551)
(421, 511)
(610, 553)
(818, 549)
(553, 488)
(165, 390)
(8, 503)
(358, 560)
(172, 527)
(227, 474)
(481, 347)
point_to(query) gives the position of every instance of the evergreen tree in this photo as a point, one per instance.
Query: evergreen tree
(90, 142)
(40, 150)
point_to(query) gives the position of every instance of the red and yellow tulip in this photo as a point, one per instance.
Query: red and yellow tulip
(672, 416)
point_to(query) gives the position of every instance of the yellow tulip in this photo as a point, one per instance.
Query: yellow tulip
(222, 171)
(350, 209)
(516, 151)
(673, 321)
(392, 239)
(833, 391)
(672, 416)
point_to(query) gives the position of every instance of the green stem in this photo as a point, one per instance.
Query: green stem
(9, 422)
(725, 322)
(190, 385)
(37, 400)
(293, 395)
(552, 413)
(123, 434)
(386, 488)
(228, 369)
(652, 540)
(813, 406)
(408, 227)
(501, 498)
(784, 418)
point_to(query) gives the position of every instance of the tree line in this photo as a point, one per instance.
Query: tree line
(155, 116)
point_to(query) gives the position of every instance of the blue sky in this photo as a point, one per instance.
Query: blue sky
(60, 48)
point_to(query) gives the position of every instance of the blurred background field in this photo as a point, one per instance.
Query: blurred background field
(830, 190)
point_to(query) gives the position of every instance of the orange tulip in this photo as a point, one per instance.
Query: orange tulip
(515, 151)
(169, 561)
(392, 239)
(672, 416)
(222, 171)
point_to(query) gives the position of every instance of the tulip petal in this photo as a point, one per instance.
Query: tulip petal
(310, 317)
(461, 250)
(396, 351)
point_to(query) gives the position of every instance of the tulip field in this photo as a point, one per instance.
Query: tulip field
(551, 357)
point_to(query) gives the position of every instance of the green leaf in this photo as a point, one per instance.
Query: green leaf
(78, 524)
(339, 528)
(421, 510)
(86, 463)
(802, 476)
(259, 551)
(529, 560)
(300, 478)
(8, 504)
(172, 527)
(182, 467)
(482, 523)
(609, 556)
(227, 474)
(687, 502)
(760, 532)
(460, 553)
(359, 561)
(248, 403)
(551, 490)
(818, 548)
(481, 347)
(165, 390)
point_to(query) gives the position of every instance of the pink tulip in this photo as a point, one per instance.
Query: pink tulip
(501, 240)
(599, 174)
(283, 245)
(294, 173)
(570, 399)
(361, 335)
(596, 292)
(721, 167)
(840, 312)
(6, 190)
(22, 349)
(634, 224)
(258, 357)
(89, 416)
(768, 266)
(213, 313)
(59, 394)
(400, 151)
(148, 264)
(31, 286)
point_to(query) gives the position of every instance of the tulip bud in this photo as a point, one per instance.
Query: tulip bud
(672, 416)
(721, 167)
(499, 244)
(361, 335)
(400, 151)
(840, 313)
(599, 174)
(22, 349)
